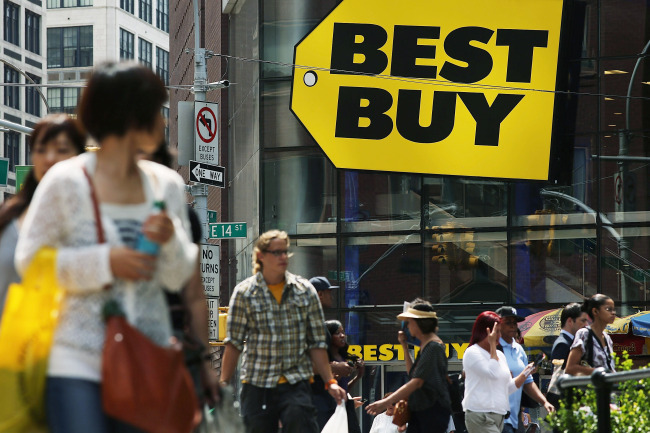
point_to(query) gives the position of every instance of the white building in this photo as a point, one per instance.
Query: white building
(58, 43)
(84, 33)
(22, 58)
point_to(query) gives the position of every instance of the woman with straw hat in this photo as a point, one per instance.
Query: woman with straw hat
(426, 391)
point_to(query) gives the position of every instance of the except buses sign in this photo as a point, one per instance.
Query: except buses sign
(456, 87)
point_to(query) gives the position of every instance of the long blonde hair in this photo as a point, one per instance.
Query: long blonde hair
(263, 243)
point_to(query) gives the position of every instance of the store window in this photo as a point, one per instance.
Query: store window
(625, 258)
(314, 257)
(162, 15)
(381, 269)
(285, 24)
(281, 128)
(162, 65)
(126, 45)
(69, 47)
(623, 26)
(32, 32)
(145, 52)
(12, 22)
(457, 201)
(304, 207)
(12, 90)
(380, 201)
(466, 266)
(32, 97)
(144, 10)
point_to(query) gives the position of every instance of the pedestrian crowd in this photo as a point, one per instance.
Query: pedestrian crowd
(295, 369)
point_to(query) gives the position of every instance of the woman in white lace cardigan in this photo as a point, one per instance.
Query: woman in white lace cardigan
(120, 109)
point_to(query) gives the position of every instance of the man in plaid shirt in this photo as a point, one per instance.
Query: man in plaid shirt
(275, 318)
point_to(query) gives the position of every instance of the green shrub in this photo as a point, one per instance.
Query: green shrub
(630, 407)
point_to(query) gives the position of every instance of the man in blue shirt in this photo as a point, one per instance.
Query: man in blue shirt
(517, 361)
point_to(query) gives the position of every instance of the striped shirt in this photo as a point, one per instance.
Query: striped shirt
(275, 338)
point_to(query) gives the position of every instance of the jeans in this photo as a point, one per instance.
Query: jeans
(262, 408)
(75, 406)
(508, 428)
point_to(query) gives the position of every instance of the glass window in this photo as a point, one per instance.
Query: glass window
(165, 114)
(623, 27)
(12, 93)
(162, 15)
(615, 77)
(313, 257)
(380, 270)
(56, 4)
(144, 10)
(625, 255)
(624, 190)
(128, 6)
(380, 201)
(32, 97)
(12, 149)
(12, 23)
(32, 32)
(308, 207)
(162, 65)
(466, 266)
(63, 100)
(458, 201)
(126, 45)
(281, 128)
(553, 265)
(145, 52)
(285, 24)
(69, 47)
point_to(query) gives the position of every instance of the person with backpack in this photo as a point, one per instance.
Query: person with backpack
(592, 347)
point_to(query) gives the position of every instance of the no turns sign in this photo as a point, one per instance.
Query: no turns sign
(206, 132)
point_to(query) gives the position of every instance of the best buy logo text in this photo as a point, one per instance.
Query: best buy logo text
(462, 88)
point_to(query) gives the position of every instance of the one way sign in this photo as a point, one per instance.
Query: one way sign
(207, 173)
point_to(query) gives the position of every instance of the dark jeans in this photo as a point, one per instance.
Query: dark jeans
(75, 406)
(262, 408)
(431, 420)
(508, 428)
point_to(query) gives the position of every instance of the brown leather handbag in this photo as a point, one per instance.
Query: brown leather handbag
(143, 384)
(402, 414)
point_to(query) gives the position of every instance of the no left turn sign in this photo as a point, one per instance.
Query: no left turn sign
(206, 125)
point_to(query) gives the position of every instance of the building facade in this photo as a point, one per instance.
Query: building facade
(84, 33)
(23, 61)
(465, 244)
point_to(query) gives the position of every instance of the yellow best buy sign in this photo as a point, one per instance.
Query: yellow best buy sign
(460, 87)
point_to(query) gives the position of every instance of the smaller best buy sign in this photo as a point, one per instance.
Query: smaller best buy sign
(459, 87)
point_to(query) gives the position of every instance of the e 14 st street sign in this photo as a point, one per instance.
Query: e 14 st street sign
(227, 230)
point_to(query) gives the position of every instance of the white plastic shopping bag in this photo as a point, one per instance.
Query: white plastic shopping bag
(338, 423)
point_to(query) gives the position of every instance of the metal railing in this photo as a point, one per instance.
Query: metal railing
(603, 383)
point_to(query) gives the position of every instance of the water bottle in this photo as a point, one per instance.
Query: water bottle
(144, 244)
